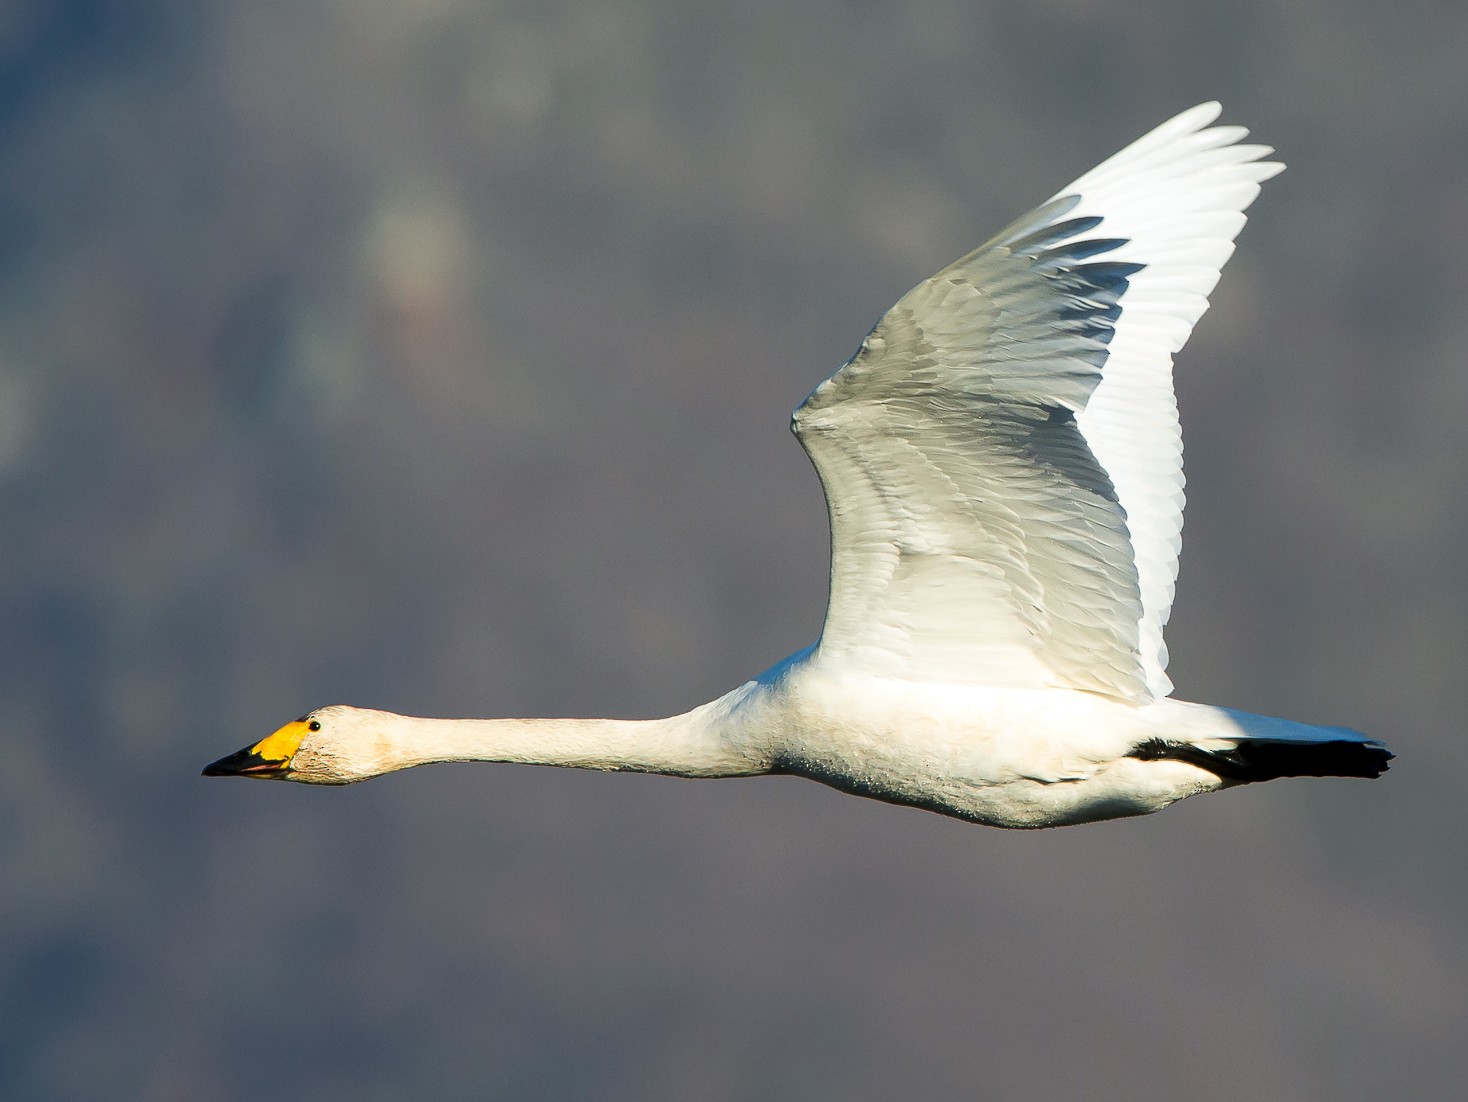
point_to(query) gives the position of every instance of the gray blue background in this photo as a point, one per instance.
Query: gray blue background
(437, 356)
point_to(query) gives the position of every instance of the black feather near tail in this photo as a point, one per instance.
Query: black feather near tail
(1263, 760)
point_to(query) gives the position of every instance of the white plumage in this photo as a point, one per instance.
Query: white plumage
(1006, 511)
(1003, 468)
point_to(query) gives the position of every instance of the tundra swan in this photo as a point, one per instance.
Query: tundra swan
(1003, 473)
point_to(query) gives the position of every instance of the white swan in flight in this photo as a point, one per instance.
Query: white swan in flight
(1003, 471)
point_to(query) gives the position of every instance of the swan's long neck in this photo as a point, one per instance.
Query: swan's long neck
(706, 742)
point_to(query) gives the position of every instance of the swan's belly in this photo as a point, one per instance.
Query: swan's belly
(1002, 757)
(1119, 790)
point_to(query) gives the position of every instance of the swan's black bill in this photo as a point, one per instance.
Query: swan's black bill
(245, 763)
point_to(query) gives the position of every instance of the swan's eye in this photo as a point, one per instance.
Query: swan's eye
(314, 725)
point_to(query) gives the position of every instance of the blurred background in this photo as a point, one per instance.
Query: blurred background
(436, 355)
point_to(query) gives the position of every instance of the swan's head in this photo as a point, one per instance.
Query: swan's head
(336, 745)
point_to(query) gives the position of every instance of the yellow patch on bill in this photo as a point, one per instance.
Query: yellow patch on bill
(282, 745)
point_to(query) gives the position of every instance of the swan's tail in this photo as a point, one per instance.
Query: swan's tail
(1267, 748)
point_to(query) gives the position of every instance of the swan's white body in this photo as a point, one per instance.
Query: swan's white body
(1003, 469)
(1002, 757)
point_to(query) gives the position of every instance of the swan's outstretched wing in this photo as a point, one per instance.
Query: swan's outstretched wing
(1001, 458)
